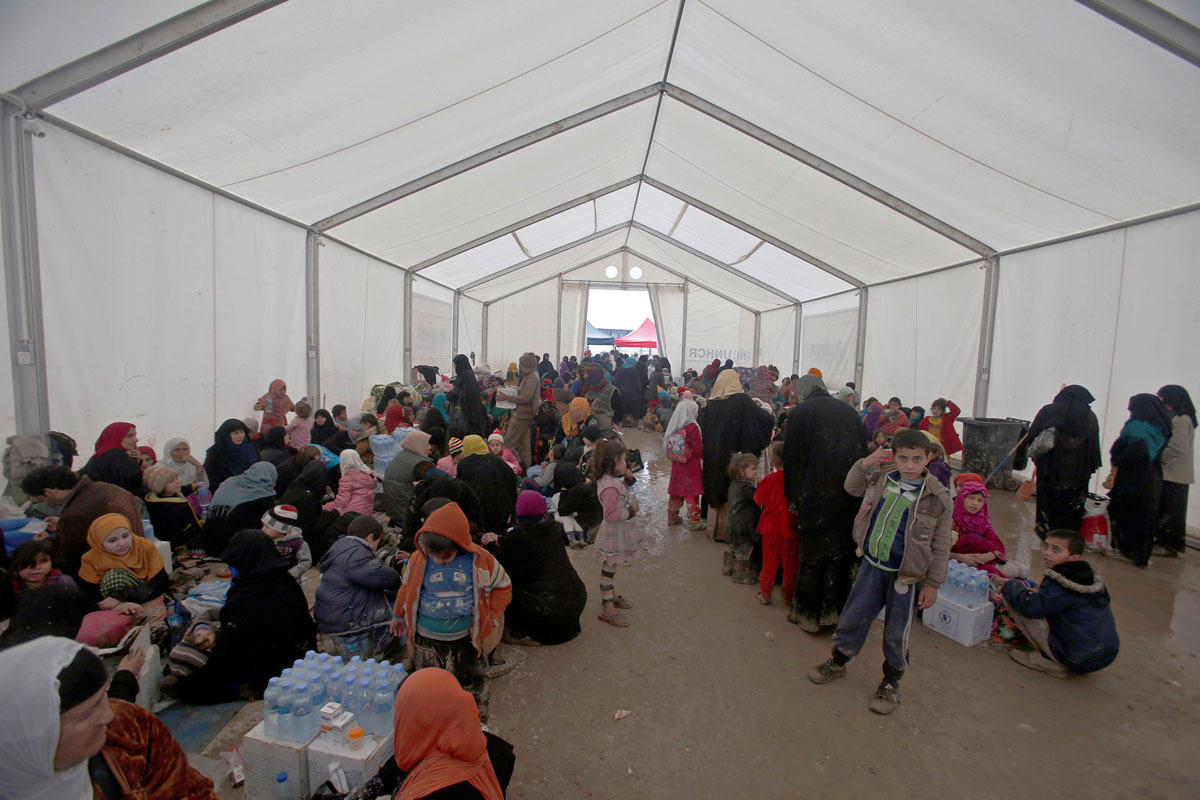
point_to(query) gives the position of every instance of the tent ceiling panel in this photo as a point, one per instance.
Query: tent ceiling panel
(560, 229)
(506, 190)
(1011, 137)
(624, 262)
(687, 264)
(319, 121)
(790, 274)
(35, 40)
(711, 161)
(476, 262)
(616, 207)
(548, 267)
(657, 209)
(743, 251)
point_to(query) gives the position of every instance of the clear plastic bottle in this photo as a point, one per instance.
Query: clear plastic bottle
(957, 588)
(205, 500)
(382, 703)
(323, 659)
(364, 700)
(284, 729)
(147, 529)
(310, 657)
(348, 688)
(398, 676)
(356, 661)
(271, 707)
(302, 714)
(283, 787)
(355, 736)
(316, 691)
(334, 690)
(337, 662)
(326, 676)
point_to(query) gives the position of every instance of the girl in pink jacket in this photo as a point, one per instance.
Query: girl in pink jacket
(356, 489)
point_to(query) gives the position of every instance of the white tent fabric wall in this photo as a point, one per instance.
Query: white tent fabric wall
(923, 338)
(669, 300)
(522, 323)
(574, 296)
(828, 333)
(1105, 312)
(716, 328)
(172, 308)
(470, 329)
(777, 339)
(362, 324)
(432, 312)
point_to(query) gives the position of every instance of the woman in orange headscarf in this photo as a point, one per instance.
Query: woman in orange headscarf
(439, 742)
(577, 415)
(120, 566)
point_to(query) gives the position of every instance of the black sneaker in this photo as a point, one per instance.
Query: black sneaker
(886, 697)
(824, 673)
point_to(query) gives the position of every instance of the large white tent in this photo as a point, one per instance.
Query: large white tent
(963, 198)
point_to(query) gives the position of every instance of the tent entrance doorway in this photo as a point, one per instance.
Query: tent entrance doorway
(621, 318)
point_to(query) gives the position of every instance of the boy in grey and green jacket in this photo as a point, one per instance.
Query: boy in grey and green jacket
(903, 534)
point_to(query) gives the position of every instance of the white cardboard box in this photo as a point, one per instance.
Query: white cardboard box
(266, 757)
(358, 766)
(164, 550)
(967, 626)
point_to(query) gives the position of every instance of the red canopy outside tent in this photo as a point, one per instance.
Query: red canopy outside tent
(646, 335)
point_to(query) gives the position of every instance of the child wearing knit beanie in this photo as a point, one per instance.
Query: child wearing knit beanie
(280, 524)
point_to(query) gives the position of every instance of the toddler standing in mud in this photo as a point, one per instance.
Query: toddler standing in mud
(619, 539)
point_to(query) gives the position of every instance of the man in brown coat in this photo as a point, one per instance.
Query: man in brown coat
(526, 398)
(81, 501)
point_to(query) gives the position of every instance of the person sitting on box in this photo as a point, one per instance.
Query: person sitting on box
(352, 602)
(1069, 616)
(903, 534)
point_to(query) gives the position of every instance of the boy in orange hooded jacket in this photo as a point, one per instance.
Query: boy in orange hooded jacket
(452, 596)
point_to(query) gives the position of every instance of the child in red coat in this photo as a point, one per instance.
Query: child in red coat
(940, 422)
(777, 527)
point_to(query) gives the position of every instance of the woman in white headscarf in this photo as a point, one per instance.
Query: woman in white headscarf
(687, 482)
(178, 456)
(66, 740)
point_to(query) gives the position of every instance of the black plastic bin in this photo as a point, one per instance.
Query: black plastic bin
(986, 442)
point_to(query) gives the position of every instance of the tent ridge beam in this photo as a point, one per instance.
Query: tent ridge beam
(516, 226)
(539, 281)
(1171, 33)
(715, 262)
(549, 253)
(755, 232)
(490, 154)
(134, 51)
(826, 168)
(691, 279)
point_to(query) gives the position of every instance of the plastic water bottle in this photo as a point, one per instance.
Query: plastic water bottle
(371, 663)
(956, 595)
(147, 529)
(287, 674)
(323, 659)
(337, 662)
(355, 661)
(398, 676)
(319, 696)
(382, 703)
(349, 686)
(333, 689)
(365, 702)
(283, 711)
(271, 708)
(205, 500)
(283, 787)
(302, 714)
(310, 657)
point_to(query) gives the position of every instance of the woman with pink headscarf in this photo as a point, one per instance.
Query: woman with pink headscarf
(275, 405)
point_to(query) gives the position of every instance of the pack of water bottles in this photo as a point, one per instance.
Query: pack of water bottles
(965, 585)
(293, 701)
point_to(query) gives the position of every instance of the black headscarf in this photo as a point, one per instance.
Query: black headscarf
(253, 555)
(235, 459)
(322, 432)
(389, 394)
(54, 610)
(1070, 412)
(1148, 408)
(1179, 400)
(314, 476)
(274, 437)
(467, 416)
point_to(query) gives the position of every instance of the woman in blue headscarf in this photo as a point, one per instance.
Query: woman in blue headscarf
(1135, 482)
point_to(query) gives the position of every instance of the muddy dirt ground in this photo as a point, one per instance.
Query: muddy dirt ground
(720, 705)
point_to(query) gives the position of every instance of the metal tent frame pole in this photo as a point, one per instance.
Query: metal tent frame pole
(483, 335)
(543, 279)
(454, 332)
(22, 273)
(796, 339)
(587, 296)
(682, 367)
(558, 321)
(987, 333)
(1171, 33)
(408, 326)
(860, 341)
(312, 315)
(543, 256)
(757, 336)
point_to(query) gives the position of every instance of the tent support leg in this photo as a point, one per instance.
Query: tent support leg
(454, 322)
(987, 333)
(558, 322)
(757, 332)
(312, 316)
(483, 336)
(22, 274)
(860, 342)
(408, 321)
(796, 345)
(587, 295)
(683, 336)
